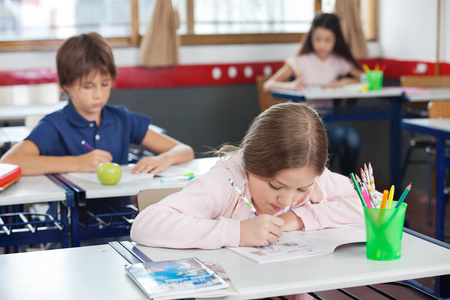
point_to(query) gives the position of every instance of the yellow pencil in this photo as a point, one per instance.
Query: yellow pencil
(391, 196)
(366, 68)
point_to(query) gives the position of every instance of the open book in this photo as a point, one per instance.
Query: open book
(298, 244)
(177, 278)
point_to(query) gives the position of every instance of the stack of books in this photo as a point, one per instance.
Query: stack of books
(9, 174)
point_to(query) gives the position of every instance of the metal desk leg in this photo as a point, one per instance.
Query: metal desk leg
(396, 141)
(439, 194)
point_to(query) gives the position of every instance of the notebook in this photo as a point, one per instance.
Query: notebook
(300, 244)
(9, 174)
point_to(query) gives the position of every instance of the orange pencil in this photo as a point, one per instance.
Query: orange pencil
(384, 201)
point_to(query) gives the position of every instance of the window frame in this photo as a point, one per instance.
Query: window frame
(191, 38)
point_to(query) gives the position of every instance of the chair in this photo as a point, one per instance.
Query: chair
(152, 196)
(265, 99)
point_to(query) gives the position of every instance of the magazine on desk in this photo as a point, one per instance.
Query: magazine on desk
(298, 244)
(177, 278)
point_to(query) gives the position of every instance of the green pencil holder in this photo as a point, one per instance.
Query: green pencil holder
(375, 80)
(384, 232)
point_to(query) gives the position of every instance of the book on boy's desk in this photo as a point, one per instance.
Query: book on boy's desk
(9, 174)
(179, 278)
(300, 244)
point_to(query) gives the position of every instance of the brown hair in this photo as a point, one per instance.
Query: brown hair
(330, 22)
(287, 135)
(81, 55)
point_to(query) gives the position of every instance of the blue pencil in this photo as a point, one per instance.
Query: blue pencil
(400, 201)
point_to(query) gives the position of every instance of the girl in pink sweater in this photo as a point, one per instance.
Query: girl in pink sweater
(280, 166)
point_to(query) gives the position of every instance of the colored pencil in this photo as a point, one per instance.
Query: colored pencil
(364, 192)
(249, 204)
(372, 182)
(391, 196)
(367, 186)
(83, 142)
(358, 190)
(366, 68)
(384, 200)
(402, 198)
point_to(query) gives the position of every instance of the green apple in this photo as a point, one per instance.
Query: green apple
(109, 173)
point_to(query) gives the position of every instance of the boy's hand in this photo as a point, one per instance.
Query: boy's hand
(89, 162)
(261, 231)
(151, 164)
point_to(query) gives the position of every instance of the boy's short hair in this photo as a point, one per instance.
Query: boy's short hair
(81, 55)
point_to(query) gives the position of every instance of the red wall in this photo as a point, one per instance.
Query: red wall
(202, 75)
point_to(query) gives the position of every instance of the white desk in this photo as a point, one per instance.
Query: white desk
(429, 94)
(131, 188)
(440, 129)
(35, 189)
(97, 272)
(32, 189)
(20, 101)
(338, 93)
(86, 190)
(11, 135)
(346, 267)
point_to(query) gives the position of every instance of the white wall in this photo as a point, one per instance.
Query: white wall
(189, 55)
(408, 29)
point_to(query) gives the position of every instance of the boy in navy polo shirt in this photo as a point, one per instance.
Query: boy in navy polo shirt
(86, 72)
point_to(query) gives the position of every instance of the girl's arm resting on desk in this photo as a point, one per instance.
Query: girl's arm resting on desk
(27, 155)
(169, 151)
(355, 74)
(333, 203)
(195, 218)
(281, 80)
(192, 218)
(160, 225)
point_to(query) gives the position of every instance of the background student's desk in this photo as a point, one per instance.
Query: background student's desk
(440, 129)
(86, 190)
(97, 272)
(20, 101)
(35, 189)
(429, 94)
(391, 111)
